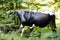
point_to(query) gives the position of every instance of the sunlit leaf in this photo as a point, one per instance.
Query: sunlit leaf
(24, 5)
(32, 1)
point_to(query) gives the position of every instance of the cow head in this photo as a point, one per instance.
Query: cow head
(20, 14)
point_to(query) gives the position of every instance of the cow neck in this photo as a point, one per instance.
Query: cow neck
(27, 15)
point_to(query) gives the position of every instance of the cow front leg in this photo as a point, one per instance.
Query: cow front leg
(22, 27)
(22, 32)
(31, 28)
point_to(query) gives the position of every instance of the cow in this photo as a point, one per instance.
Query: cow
(29, 18)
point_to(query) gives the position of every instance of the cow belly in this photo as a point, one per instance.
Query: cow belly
(41, 23)
(27, 24)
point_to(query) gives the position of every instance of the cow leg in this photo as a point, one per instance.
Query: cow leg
(53, 23)
(22, 30)
(31, 28)
(54, 28)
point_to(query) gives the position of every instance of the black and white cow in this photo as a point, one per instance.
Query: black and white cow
(28, 18)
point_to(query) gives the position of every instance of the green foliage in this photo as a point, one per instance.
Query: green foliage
(45, 35)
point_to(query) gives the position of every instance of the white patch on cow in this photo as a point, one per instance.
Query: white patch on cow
(32, 26)
(21, 26)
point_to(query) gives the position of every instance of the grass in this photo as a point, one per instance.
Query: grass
(46, 34)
